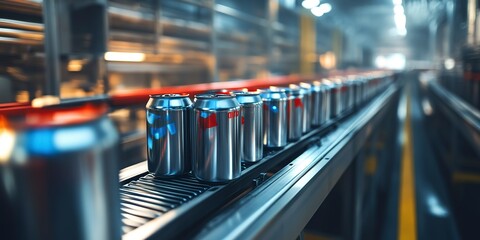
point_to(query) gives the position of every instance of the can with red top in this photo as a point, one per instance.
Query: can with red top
(59, 175)
(216, 137)
(295, 111)
(252, 125)
(307, 107)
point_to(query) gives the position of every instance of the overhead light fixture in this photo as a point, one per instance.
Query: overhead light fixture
(400, 20)
(75, 65)
(398, 10)
(309, 4)
(402, 31)
(124, 57)
(397, 2)
(322, 9)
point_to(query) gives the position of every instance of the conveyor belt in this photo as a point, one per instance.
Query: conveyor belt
(165, 208)
(296, 191)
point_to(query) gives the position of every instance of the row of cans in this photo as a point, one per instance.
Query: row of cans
(212, 135)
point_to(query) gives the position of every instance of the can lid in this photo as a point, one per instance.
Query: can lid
(269, 94)
(305, 85)
(215, 102)
(170, 95)
(295, 90)
(248, 97)
(242, 93)
(213, 96)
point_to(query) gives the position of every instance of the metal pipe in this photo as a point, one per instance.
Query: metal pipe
(52, 48)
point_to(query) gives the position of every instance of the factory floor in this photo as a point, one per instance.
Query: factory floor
(422, 207)
(418, 202)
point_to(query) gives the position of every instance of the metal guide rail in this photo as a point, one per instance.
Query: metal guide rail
(464, 116)
(154, 208)
(296, 191)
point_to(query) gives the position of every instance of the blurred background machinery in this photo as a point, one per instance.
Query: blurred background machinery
(123, 50)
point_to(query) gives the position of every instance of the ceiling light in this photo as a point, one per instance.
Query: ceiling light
(397, 2)
(322, 9)
(326, 7)
(398, 10)
(308, 4)
(124, 56)
(402, 31)
(400, 20)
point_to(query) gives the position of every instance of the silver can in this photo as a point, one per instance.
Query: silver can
(358, 91)
(326, 86)
(59, 174)
(336, 98)
(307, 107)
(295, 111)
(168, 134)
(216, 138)
(316, 103)
(252, 123)
(350, 92)
(274, 118)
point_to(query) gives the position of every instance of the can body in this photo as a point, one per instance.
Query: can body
(350, 93)
(64, 185)
(358, 93)
(252, 121)
(317, 99)
(216, 138)
(295, 112)
(169, 134)
(326, 97)
(336, 100)
(274, 118)
(307, 107)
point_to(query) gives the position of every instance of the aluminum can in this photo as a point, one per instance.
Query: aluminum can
(320, 103)
(295, 108)
(336, 98)
(316, 104)
(59, 174)
(326, 86)
(169, 134)
(252, 123)
(274, 118)
(350, 92)
(216, 137)
(357, 85)
(307, 107)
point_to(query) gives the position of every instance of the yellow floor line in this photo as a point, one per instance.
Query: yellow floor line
(407, 224)
(465, 177)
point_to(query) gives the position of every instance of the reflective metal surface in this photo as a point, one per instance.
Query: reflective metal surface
(169, 134)
(274, 118)
(216, 138)
(350, 84)
(296, 191)
(326, 100)
(252, 121)
(295, 111)
(335, 99)
(59, 181)
(307, 107)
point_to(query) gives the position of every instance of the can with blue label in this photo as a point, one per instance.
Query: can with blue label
(274, 118)
(168, 134)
